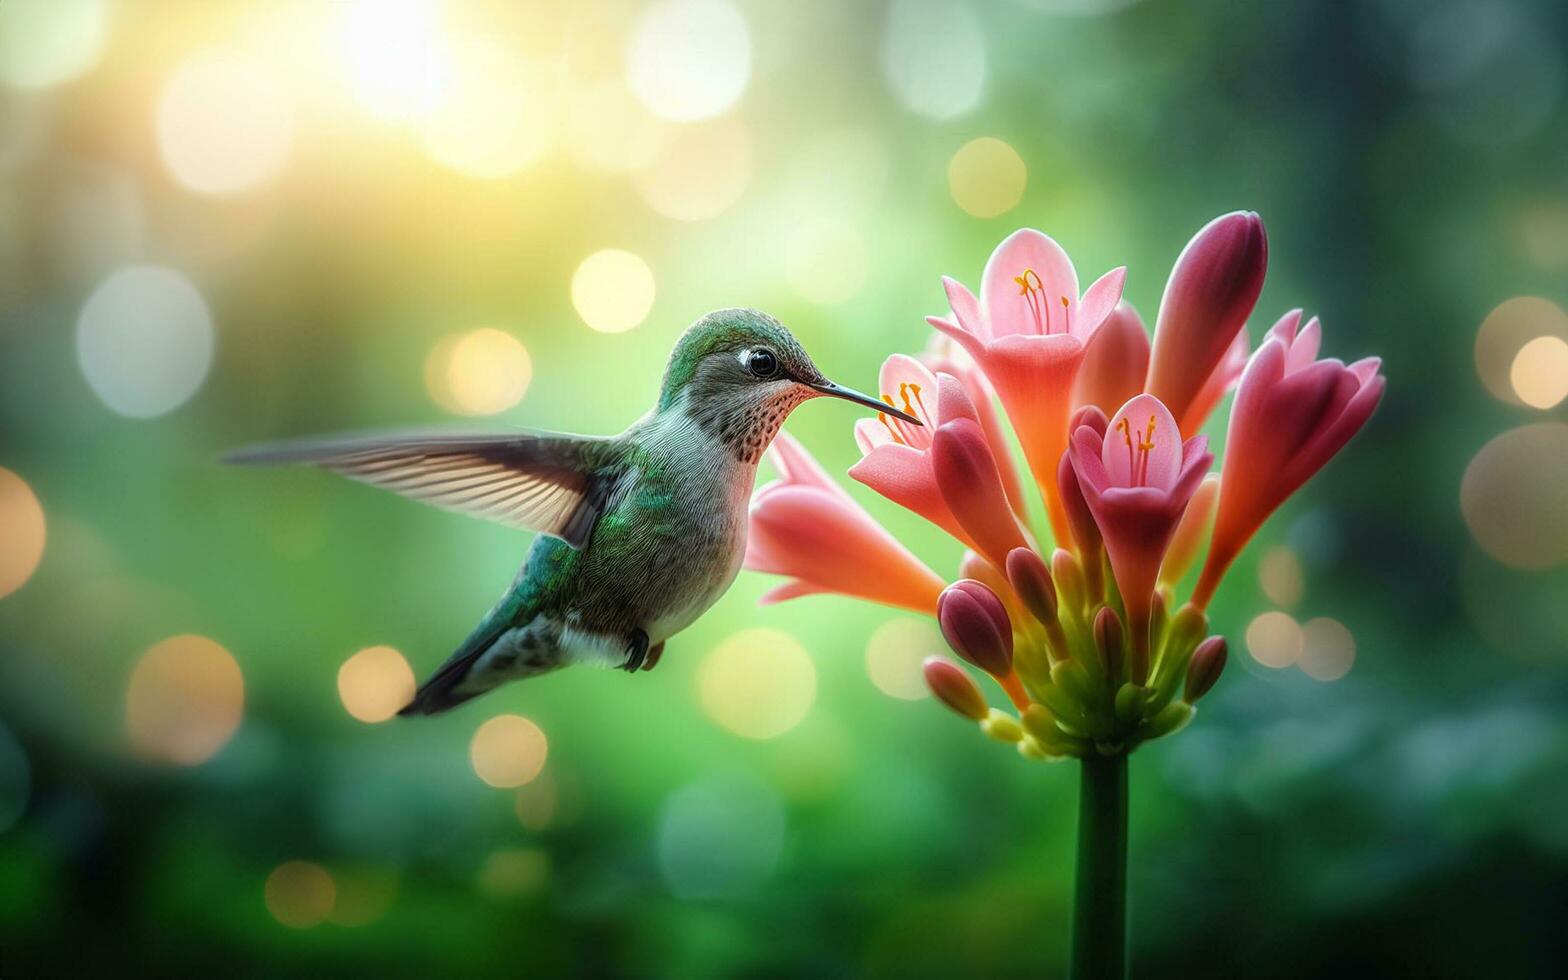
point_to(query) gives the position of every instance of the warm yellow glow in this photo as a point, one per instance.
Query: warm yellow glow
(537, 802)
(391, 50)
(481, 372)
(1281, 577)
(508, 751)
(46, 42)
(374, 683)
(987, 177)
(1328, 649)
(185, 700)
(1539, 374)
(144, 340)
(896, 653)
(1512, 496)
(512, 872)
(825, 260)
(700, 173)
(300, 894)
(606, 129)
(689, 60)
(1506, 331)
(22, 532)
(613, 290)
(496, 114)
(759, 683)
(1274, 639)
(224, 124)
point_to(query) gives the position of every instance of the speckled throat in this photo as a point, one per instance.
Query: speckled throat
(747, 425)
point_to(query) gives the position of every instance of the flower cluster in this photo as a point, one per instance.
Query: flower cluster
(1087, 639)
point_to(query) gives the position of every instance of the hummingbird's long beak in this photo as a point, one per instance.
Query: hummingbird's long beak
(851, 395)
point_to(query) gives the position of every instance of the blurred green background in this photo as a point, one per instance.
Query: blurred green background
(225, 222)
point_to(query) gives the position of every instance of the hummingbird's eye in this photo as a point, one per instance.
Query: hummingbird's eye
(762, 363)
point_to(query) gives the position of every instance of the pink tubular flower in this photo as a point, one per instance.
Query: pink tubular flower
(898, 460)
(806, 527)
(946, 358)
(1292, 414)
(1137, 479)
(1027, 333)
(1211, 292)
(1115, 361)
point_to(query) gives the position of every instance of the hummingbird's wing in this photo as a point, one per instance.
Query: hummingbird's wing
(555, 484)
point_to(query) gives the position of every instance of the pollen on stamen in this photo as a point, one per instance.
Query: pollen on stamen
(887, 423)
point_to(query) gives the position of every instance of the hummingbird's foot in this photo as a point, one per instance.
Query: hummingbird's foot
(637, 651)
(654, 653)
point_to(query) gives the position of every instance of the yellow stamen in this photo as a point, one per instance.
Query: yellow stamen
(887, 423)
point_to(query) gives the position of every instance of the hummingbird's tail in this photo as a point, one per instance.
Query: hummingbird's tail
(457, 680)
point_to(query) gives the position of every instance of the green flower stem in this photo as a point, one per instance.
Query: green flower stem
(1100, 899)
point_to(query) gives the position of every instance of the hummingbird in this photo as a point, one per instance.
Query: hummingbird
(638, 533)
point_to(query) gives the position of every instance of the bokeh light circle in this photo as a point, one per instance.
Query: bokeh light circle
(508, 751)
(144, 340)
(185, 700)
(895, 657)
(225, 125)
(607, 129)
(375, 683)
(1512, 496)
(689, 60)
(390, 50)
(987, 177)
(362, 895)
(495, 115)
(1328, 649)
(933, 54)
(613, 290)
(720, 838)
(300, 894)
(1281, 577)
(758, 683)
(1275, 639)
(46, 42)
(480, 372)
(1539, 374)
(1504, 333)
(699, 173)
(23, 531)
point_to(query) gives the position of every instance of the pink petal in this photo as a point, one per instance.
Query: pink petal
(966, 309)
(1143, 421)
(1007, 307)
(903, 475)
(1098, 301)
(1222, 380)
(971, 343)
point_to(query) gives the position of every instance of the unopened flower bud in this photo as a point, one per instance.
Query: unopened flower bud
(951, 686)
(976, 626)
(1068, 575)
(971, 484)
(1208, 662)
(1211, 292)
(1002, 726)
(1031, 581)
(1086, 533)
(1108, 641)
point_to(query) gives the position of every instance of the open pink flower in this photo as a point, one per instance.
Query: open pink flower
(1211, 292)
(1137, 479)
(1027, 333)
(806, 527)
(1291, 415)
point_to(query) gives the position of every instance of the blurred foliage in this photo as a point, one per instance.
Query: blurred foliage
(1409, 819)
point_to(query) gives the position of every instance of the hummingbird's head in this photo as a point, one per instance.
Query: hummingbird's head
(738, 373)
